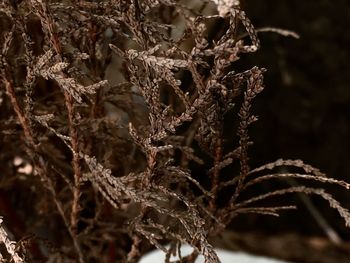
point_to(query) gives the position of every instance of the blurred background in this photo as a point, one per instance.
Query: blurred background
(304, 111)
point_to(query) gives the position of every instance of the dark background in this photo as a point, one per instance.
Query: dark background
(304, 111)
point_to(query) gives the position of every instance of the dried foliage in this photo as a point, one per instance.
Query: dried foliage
(115, 158)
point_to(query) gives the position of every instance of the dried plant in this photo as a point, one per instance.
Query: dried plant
(114, 154)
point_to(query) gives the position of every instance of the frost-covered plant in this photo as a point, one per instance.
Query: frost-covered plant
(116, 159)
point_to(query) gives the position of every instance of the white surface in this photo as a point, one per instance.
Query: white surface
(158, 256)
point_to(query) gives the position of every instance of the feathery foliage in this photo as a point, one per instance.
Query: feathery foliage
(115, 153)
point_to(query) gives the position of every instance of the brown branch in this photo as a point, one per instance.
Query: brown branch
(10, 90)
(69, 102)
(216, 174)
(48, 22)
(75, 161)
